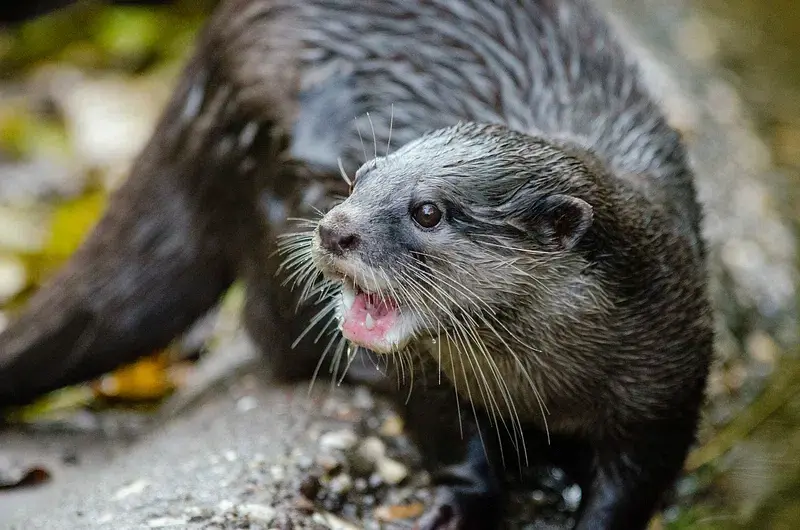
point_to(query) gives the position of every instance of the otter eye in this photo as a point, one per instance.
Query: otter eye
(427, 215)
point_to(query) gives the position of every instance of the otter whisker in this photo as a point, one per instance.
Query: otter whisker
(464, 291)
(426, 315)
(472, 404)
(304, 221)
(374, 139)
(391, 124)
(322, 358)
(343, 174)
(465, 350)
(361, 139)
(504, 389)
(524, 372)
(422, 296)
(352, 353)
(538, 253)
(517, 432)
(407, 298)
(341, 347)
(330, 306)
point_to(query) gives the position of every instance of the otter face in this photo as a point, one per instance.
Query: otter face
(448, 232)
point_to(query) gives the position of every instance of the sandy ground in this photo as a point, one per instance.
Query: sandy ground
(200, 459)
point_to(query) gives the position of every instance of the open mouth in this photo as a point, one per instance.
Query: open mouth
(369, 319)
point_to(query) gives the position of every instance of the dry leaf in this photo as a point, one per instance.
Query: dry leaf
(145, 380)
(394, 512)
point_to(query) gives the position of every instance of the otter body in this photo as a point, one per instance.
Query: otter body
(561, 291)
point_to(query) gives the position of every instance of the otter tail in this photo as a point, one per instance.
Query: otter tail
(157, 260)
(146, 272)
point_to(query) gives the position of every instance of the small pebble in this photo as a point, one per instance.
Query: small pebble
(225, 506)
(303, 504)
(246, 404)
(304, 462)
(362, 398)
(133, 488)
(360, 485)
(369, 452)
(572, 496)
(375, 481)
(278, 473)
(342, 440)
(329, 463)
(391, 471)
(392, 426)
(372, 449)
(341, 484)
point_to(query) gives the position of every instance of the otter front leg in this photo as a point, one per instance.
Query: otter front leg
(625, 487)
(460, 453)
(467, 494)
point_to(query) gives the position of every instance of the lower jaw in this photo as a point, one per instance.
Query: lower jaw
(383, 349)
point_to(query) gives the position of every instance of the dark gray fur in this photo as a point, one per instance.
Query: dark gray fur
(252, 134)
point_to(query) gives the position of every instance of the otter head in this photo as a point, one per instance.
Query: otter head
(455, 230)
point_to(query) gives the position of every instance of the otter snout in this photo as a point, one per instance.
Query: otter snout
(336, 235)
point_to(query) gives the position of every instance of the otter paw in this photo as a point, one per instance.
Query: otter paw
(451, 511)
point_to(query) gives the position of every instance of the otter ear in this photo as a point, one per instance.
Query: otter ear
(559, 221)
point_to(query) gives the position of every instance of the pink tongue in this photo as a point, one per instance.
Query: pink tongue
(384, 316)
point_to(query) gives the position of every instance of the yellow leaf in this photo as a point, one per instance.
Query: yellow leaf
(72, 221)
(145, 380)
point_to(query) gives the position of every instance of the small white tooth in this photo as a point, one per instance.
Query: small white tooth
(369, 323)
(348, 298)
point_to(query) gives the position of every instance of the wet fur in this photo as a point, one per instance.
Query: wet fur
(253, 134)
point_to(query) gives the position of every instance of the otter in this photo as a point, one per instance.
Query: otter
(530, 251)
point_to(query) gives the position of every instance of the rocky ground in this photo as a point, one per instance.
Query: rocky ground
(248, 454)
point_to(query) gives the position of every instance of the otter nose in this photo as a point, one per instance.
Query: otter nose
(337, 241)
